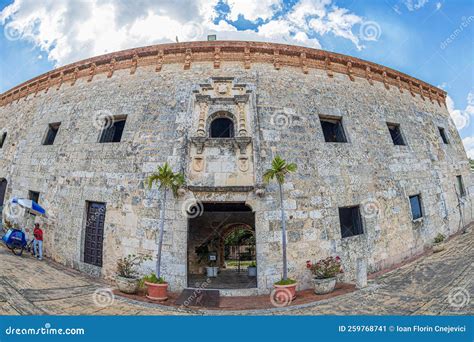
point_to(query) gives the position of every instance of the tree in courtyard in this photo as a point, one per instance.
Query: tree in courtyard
(167, 180)
(279, 170)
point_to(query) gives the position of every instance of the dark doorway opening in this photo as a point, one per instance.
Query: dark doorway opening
(222, 238)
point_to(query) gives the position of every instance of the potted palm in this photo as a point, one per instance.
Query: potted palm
(127, 276)
(438, 244)
(279, 170)
(252, 269)
(325, 272)
(167, 180)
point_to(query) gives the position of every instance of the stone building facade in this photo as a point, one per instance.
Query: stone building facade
(277, 98)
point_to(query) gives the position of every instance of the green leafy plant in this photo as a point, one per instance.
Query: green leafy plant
(439, 238)
(279, 170)
(325, 268)
(167, 180)
(127, 266)
(253, 264)
(287, 281)
(152, 278)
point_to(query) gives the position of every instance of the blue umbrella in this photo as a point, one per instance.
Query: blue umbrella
(30, 205)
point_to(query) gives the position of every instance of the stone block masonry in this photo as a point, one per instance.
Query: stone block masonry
(275, 101)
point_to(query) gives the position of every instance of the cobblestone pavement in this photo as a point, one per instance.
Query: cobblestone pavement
(437, 284)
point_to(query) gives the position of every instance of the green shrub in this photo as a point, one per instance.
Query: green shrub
(439, 238)
(127, 267)
(152, 278)
(288, 281)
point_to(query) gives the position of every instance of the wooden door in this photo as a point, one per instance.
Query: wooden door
(93, 242)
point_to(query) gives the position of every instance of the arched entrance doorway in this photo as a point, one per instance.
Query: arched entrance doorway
(223, 238)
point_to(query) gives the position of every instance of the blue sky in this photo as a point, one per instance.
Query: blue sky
(430, 40)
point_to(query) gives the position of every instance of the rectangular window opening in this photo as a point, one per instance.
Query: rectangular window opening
(442, 133)
(3, 137)
(113, 129)
(460, 186)
(51, 133)
(333, 130)
(415, 204)
(396, 134)
(34, 196)
(351, 222)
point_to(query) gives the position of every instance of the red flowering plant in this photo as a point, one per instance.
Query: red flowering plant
(325, 268)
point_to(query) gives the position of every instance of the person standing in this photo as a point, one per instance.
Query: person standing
(38, 243)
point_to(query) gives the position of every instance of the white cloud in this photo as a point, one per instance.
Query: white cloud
(468, 143)
(413, 5)
(253, 10)
(461, 117)
(70, 30)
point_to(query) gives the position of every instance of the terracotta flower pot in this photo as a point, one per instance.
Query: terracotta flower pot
(282, 291)
(156, 291)
(323, 286)
(127, 285)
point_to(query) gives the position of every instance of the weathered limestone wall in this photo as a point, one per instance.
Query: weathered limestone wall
(368, 169)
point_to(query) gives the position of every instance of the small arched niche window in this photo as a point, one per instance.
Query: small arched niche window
(222, 128)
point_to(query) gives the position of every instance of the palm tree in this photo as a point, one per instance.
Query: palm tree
(167, 180)
(280, 168)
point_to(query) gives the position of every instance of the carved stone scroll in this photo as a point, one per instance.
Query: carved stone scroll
(421, 92)
(74, 76)
(368, 75)
(242, 120)
(400, 85)
(92, 70)
(134, 64)
(385, 80)
(48, 84)
(276, 59)
(247, 60)
(327, 66)
(61, 79)
(217, 58)
(304, 67)
(111, 68)
(203, 109)
(187, 59)
(349, 71)
(159, 60)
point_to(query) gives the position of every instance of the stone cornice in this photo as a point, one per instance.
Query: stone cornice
(279, 55)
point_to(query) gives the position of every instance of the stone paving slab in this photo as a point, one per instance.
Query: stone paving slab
(436, 284)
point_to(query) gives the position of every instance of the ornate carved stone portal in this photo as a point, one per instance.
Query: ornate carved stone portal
(217, 162)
